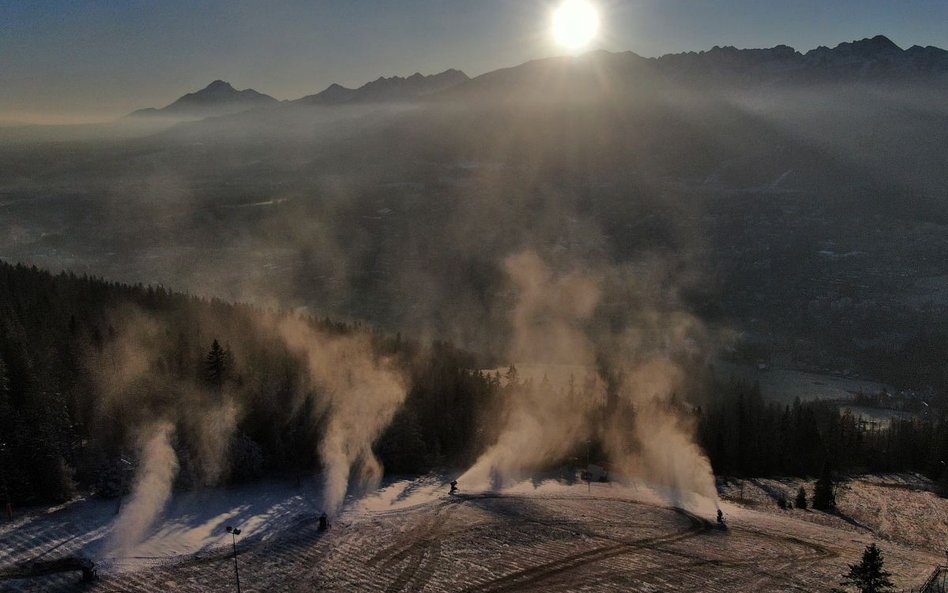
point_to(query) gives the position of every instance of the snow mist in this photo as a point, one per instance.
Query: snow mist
(357, 395)
(542, 423)
(657, 443)
(152, 489)
(627, 399)
(153, 407)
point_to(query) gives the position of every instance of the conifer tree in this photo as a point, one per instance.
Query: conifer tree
(216, 365)
(800, 501)
(943, 484)
(824, 495)
(869, 575)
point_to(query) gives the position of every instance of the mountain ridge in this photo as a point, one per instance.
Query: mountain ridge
(872, 59)
(875, 58)
(382, 89)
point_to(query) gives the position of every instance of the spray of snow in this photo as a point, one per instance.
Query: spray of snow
(660, 446)
(357, 395)
(137, 389)
(542, 422)
(216, 424)
(629, 406)
(153, 485)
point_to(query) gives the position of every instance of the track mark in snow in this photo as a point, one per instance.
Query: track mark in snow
(532, 576)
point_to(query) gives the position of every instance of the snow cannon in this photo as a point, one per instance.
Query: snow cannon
(323, 522)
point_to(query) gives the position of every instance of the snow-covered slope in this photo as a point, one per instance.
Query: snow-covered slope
(412, 536)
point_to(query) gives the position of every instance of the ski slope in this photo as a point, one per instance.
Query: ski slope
(414, 536)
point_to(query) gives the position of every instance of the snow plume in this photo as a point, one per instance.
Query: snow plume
(131, 372)
(650, 437)
(212, 426)
(628, 400)
(153, 484)
(357, 395)
(543, 422)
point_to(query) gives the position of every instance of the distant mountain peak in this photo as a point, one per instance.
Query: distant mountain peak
(220, 88)
(219, 85)
(217, 98)
(880, 45)
(881, 41)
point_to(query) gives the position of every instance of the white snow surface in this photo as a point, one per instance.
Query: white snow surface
(412, 535)
(192, 523)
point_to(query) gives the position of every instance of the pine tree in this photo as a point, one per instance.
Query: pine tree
(800, 501)
(6, 434)
(869, 576)
(824, 496)
(512, 376)
(216, 365)
(943, 484)
(6, 409)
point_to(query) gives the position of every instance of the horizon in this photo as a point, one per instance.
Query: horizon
(99, 61)
(92, 120)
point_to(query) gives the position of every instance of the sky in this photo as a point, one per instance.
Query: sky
(92, 60)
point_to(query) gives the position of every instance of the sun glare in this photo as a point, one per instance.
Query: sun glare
(575, 24)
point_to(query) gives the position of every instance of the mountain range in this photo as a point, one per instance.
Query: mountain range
(874, 60)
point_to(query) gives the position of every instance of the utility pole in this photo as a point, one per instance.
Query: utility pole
(234, 532)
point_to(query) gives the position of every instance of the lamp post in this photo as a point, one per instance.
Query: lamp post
(588, 470)
(234, 532)
(126, 469)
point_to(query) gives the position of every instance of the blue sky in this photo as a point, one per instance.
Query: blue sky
(93, 59)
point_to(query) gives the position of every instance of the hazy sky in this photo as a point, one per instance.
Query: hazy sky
(94, 59)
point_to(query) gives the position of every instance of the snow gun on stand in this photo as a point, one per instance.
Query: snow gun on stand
(323, 522)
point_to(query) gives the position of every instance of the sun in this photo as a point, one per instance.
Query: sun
(575, 24)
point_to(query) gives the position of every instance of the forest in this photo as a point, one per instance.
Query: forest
(84, 363)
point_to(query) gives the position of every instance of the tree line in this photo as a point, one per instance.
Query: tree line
(746, 435)
(62, 432)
